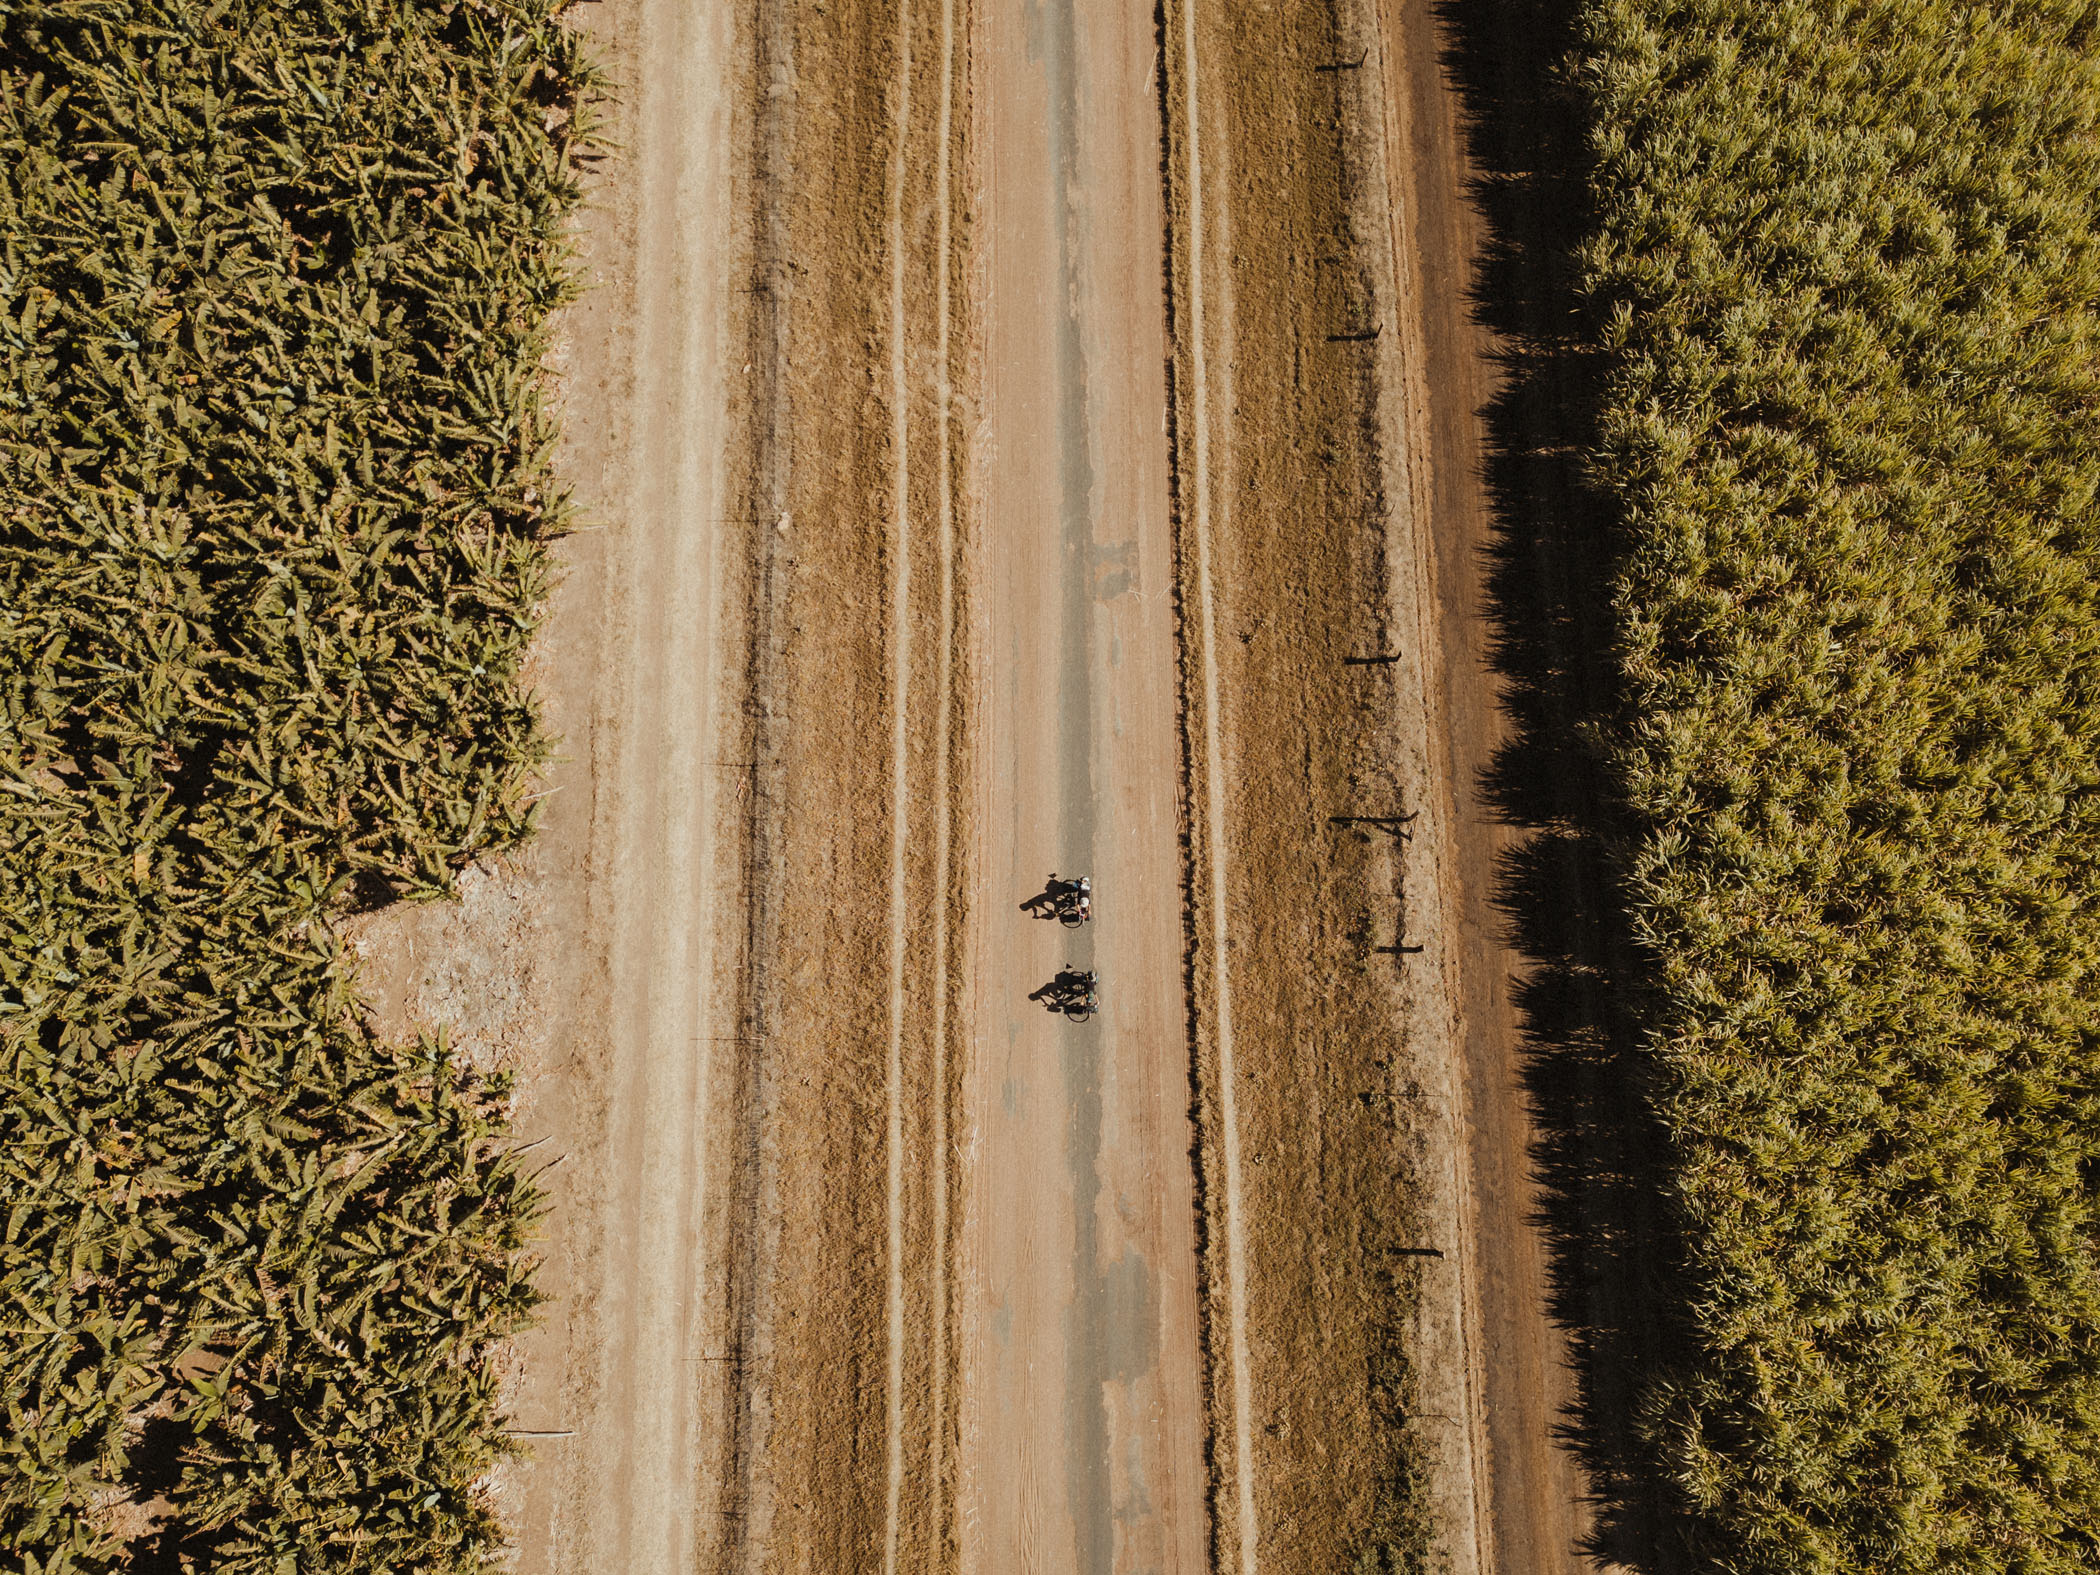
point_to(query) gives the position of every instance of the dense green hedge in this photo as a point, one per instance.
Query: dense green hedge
(1847, 270)
(274, 276)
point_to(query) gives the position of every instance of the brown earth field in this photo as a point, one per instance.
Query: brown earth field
(1013, 436)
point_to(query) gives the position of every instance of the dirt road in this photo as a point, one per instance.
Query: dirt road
(1407, 1383)
(1531, 1511)
(1016, 436)
(1082, 1427)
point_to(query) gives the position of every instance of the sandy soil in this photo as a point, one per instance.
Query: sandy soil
(1082, 1424)
(1407, 1385)
(964, 502)
(1532, 1514)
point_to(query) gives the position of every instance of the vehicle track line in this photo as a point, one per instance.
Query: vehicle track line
(943, 828)
(1214, 809)
(900, 686)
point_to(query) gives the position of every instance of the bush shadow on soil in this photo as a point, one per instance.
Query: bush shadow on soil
(1600, 1155)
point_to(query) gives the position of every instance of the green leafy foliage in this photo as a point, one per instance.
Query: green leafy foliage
(1847, 268)
(274, 281)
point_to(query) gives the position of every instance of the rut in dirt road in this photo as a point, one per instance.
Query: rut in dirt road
(920, 1322)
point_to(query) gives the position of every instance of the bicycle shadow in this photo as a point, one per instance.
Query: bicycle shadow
(1048, 903)
(1069, 989)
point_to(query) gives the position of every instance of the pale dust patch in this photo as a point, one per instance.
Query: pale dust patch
(474, 968)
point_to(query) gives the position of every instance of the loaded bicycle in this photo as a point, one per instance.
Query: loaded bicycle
(1075, 992)
(1069, 902)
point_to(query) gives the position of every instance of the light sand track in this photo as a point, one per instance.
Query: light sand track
(900, 625)
(596, 960)
(636, 844)
(1081, 1428)
(1216, 845)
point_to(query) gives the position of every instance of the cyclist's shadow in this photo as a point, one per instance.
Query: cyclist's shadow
(1044, 904)
(1068, 987)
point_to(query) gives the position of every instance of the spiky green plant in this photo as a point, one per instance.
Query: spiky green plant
(274, 284)
(1847, 269)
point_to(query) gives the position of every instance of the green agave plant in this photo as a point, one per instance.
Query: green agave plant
(273, 476)
(1845, 266)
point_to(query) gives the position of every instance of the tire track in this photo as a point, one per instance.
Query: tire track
(1237, 1360)
(944, 393)
(900, 785)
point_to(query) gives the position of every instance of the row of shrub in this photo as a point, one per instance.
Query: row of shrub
(274, 284)
(1845, 272)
